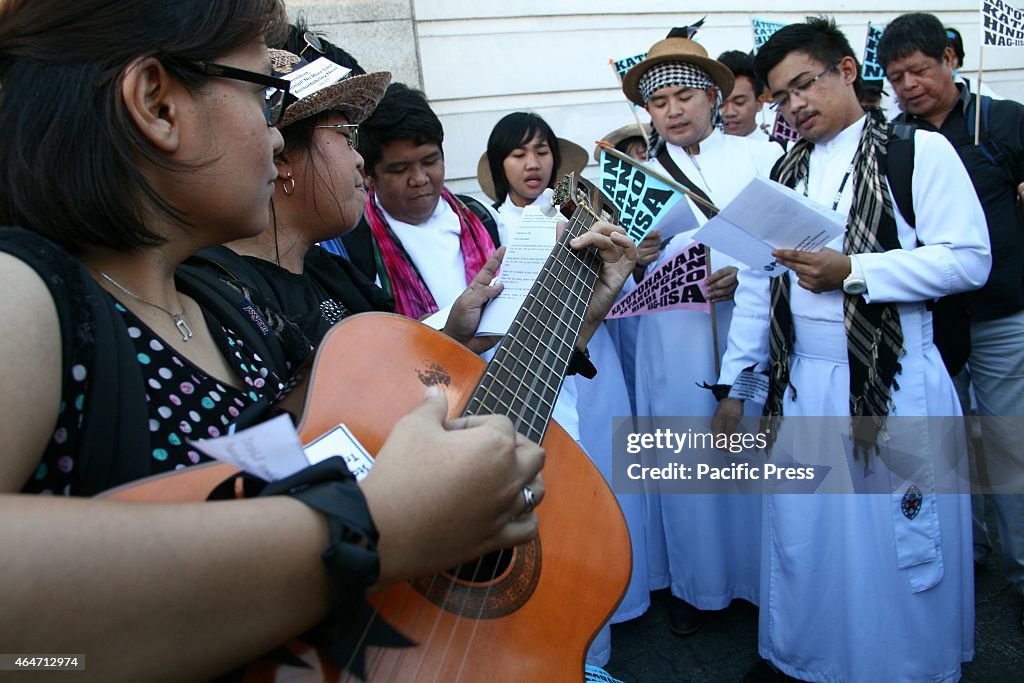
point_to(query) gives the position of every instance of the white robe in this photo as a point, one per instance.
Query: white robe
(841, 599)
(675, 355)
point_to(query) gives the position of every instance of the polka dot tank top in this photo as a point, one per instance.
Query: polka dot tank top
(183, 403)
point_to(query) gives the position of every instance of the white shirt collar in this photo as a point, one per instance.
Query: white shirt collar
(441, 212)
(845, 137)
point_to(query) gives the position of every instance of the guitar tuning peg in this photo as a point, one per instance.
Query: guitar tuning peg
(548, 206)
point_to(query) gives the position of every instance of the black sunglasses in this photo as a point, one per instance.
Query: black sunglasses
(274, 94)
(312, 40)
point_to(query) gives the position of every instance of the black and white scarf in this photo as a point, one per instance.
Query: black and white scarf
(873, 332)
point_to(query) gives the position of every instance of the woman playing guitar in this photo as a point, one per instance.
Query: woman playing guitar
(136, 134)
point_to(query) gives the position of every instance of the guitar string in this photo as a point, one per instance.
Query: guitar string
(480, 396)
(397, 655)
(427, 646)
(527, 327)
(539, 432)
(562, 258)
(517, 415)
(536, 433)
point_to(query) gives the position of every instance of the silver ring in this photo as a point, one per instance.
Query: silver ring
(531, 500)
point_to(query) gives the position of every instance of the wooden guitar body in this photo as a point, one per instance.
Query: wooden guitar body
(534, 621)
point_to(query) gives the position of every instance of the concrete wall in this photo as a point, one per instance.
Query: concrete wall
(478, 60)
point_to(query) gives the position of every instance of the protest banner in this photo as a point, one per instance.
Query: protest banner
(641, 198)
(679, 284)
(782, 130)
(1001, 24)
(623, 65)
(763, 30)
(620, 67)
(871, 70)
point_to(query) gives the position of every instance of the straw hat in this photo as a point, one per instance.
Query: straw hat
(355, 97)
(677, 49)
(631, 130)
(574, 160)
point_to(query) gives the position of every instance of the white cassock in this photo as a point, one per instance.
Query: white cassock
(598, 401)
(705, 546)
(852, 589)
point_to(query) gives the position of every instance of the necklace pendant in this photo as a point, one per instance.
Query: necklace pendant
(183, 328)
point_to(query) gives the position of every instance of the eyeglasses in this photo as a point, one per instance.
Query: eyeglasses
(312, 40)
(781, 98)
(274, 94)
(349, 130)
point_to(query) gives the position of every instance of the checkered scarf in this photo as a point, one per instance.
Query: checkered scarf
(873, 332)
(680, 74)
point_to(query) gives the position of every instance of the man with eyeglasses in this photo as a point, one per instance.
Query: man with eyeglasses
(858, 586)
(920, 65)
(682, 89)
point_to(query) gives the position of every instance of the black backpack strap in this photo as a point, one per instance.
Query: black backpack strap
(898, 167)
(484, 215)
(359, 244)
(115, 441)
(114, 444)
(989, 147)
(665, 159)
(227, 306)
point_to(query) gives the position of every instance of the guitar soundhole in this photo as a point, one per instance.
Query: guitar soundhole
(484, 570)
(491, 587)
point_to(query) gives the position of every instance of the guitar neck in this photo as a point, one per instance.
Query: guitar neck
(526, 374)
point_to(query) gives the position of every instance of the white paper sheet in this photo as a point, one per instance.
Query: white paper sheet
(271, 450)
(529, 246)
(314, 77)
(767, 216)
(680, 218)
(340, 441)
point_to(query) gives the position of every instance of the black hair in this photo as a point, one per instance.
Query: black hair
(403, 114)
(69, 162)
(296, 44)
(818, 37)
(908, 33)
(742, 64)
(624, 144)
(511, 132)
(956, 41)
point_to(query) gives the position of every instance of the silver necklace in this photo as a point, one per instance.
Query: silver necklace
(178, 318)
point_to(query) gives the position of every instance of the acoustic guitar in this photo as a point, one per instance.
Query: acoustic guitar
(524, 614)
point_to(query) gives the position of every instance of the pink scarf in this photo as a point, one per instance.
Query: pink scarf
(399, 276)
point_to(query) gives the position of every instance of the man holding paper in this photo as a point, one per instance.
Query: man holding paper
(848, 332)
(677, 353)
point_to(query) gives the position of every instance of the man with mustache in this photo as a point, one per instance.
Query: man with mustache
(879, 586)
(682, 89)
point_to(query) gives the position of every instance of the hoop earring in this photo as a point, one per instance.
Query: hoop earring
(288, 189)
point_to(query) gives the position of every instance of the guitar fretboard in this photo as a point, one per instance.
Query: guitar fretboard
(524, 378)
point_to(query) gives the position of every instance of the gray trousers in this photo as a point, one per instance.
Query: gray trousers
(995, 374)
